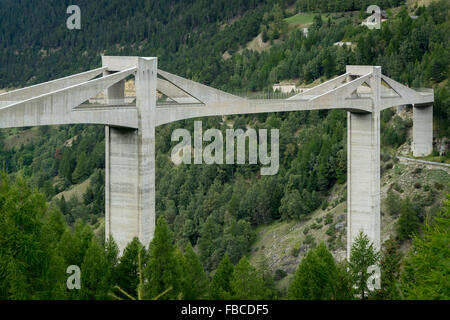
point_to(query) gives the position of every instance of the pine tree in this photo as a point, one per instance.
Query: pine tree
(82, 169)
(220, 288)
(316, 276)
(246, 283)
(112, 255)
(409, 222)
(390, 271)
(266, 274)
(163, 270)
(65, 166)
(126, 273)
(426, 270)
(195, 281)
(95, 273)
(362, 256)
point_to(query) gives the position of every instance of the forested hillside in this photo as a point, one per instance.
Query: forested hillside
(214, 208)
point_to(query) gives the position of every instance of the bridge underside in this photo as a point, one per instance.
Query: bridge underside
(130, 129)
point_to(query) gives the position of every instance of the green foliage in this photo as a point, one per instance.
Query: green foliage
(26, 251)
(393, 202)
(390, 272)
(317, 277)
(81, 171)
(195, 281)
(247, 283)
(163, 269)
(95, 273)
(213, 208)
(409, 221)
(426, 269)
(220, 287)
(362, 256)
(126, 272)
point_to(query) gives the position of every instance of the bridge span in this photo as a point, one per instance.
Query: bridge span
(363, 91)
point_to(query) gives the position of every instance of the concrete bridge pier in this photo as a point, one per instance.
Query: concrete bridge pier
(422, 130)
(130, 162)
(363, 177)
(363, 165)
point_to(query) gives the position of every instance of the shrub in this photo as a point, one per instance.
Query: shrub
(328, 218)
(316, 226)
(331, 231)
(279, 274)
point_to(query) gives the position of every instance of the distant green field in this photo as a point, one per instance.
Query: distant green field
(302, 18)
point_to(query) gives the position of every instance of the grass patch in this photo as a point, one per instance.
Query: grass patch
(303, 18)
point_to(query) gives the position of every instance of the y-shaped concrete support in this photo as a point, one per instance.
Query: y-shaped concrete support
(363, 169)
(130, 164)
(422, 130)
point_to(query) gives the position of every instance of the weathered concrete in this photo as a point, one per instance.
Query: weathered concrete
(363, 170)
(22, 94)
(363, 177)
(115, 94)
(130, 163)
(63, 106)
(130, 130)
(121, 185)
(422, 144)
(146, 104)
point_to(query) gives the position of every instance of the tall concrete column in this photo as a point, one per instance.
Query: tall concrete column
(130, 167)
(146, 104)
(363, 170)
(422, 144)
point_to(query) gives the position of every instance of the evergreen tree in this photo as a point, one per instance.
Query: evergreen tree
(266, 274)
(246, 283)
(65, 166)
(29, 267)
(426, 269)
(82, 169)
(195, 281)
(362, 256)
(316, 276)
(126, 274)
(409, 222)
(220, 288)
(163, 268)
(390, 271)
(95, 273)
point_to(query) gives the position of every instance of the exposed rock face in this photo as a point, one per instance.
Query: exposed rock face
(340, 226)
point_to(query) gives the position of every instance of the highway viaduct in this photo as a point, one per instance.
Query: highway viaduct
(363, 91)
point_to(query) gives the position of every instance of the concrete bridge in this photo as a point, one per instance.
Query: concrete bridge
(130, 129)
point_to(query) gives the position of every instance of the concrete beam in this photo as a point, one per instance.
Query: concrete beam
(119, 63)
(407, 95)
(340, 95)
(57, 107)
(321, 88)
(173, 92)
(167, 113)
(22, 94)
(199, 91)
